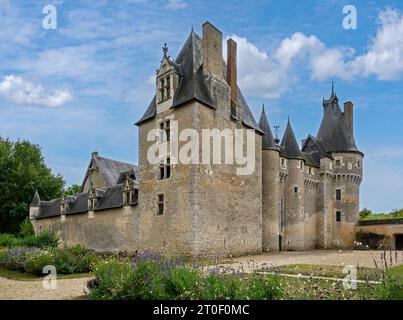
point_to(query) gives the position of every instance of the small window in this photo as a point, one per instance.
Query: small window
(350, 166)
(301, 165)
(165, 170)
(168, 130)
(338, 163)
(168, 168)
(331, 165)
(168, 87)
(338, 216)
(338, 194)
(162, 90)
(295, 189)
(359, 164)
(160, 204)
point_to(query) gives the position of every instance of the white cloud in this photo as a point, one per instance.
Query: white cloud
(261, 74)
(21, 91)
(176, 4)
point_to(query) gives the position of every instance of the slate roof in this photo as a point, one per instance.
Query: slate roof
(111, 170)
(333, 133)
(192, 83)
(113, 198)
(289, 146)
(267, 140)
(115, 174)
(108, 198)
(49, 209)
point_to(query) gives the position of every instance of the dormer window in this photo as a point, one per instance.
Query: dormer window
(167, 81)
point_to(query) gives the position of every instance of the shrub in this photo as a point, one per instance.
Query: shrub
(391, 287)
(34, 263)
(26, 228)
(15, 259)
(75, 259)
(112, 281)
(45, 239)
(152, 278)
(8, 240)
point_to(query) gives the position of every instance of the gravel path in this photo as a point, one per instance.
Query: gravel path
(66, 289)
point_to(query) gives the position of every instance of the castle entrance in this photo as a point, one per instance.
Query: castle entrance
(399, 241)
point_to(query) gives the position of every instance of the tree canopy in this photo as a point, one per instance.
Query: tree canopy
(22, 171)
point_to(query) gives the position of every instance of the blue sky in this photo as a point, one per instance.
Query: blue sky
(81, 87)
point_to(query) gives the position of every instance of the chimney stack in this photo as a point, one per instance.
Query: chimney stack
(212, 50)
(232, 69)
(348, 115)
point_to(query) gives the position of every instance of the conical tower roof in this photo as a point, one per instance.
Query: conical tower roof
(333, 132)
(267, 139)
(289, 144)
(36, 201)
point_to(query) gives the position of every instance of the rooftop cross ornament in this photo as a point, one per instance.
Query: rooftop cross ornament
(165, 50)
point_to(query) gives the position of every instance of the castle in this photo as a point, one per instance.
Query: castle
(294, 199)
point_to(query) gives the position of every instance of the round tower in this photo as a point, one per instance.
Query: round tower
(270, 188)
(293, 194)
(336, 136)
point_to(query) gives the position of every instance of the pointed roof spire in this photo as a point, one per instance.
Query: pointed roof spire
(36, 201)
(267, 139)
(333, 92)
(289, 144)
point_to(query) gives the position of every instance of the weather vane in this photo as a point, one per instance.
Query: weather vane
(276, 129)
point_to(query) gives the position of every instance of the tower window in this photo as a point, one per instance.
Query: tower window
(165, 170)
(162, 89)
(338, 194)
(338, 216)
(338, 163)
(301, 165)
(359, 164)
(160, 204)
(296, 189)
(168, 87)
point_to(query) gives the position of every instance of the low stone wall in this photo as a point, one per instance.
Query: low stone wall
(380, 234)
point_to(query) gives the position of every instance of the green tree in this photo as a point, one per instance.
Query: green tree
(22, 171)
(365, 213)
(72, 190)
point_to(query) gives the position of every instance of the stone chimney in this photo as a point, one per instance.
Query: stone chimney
(348, 115)
(212, 50)
(232, 69)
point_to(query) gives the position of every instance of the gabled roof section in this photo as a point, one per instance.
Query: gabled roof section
(289, 145)
(192, 83)
(333, 133)
(111, 170)
(267, 140)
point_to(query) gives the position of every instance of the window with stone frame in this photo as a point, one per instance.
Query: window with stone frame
(168, 87)
(165, 131)
(338, 216)
(160, 210)
(162, 89)
(165, 169)
(338, 194)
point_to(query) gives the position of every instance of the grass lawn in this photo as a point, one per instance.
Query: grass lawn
(325, 271)
(23, 276)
